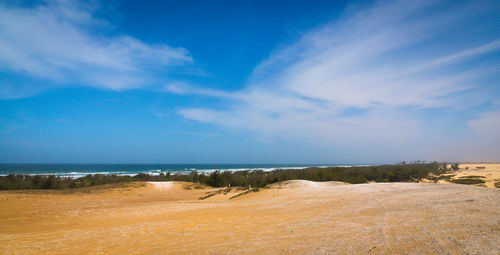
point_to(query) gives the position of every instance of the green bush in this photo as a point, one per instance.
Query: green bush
(257, 179)
(468, 181)
(473, 176)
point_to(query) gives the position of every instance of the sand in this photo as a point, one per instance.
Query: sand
(295, 217)
(488, 172)
(491, 172)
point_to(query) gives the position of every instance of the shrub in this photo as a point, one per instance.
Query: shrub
(257, 179)
(468, 181)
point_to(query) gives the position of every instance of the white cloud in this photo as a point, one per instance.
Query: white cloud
(361, 81)
(184, 88)
(57, 41)
(487, 124)
(367, 60)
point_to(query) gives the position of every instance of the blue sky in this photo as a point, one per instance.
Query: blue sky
(249, 81)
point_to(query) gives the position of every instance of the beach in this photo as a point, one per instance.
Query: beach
(249, 127)
(293, 217)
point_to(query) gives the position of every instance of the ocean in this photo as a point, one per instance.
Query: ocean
(80, 170)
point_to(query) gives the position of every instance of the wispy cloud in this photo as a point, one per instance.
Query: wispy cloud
(184, 88)
(362, 80)
(203, 134)
(58, 41)
(487, 124)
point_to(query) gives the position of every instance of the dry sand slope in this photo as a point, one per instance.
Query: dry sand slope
(488, 173)
(298, 217)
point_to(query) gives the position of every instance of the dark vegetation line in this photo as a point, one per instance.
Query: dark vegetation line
(358, 174)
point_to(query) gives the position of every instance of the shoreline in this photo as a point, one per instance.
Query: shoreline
(157, 171)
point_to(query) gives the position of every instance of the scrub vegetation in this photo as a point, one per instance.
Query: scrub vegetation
(248, 179)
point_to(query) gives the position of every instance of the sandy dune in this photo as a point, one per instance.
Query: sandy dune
(296, 217)
(490, 172)
(487, 172)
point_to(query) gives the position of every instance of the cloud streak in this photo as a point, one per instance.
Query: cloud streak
(366, 79)
(58, 41)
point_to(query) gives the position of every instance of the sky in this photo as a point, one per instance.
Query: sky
(291, 82)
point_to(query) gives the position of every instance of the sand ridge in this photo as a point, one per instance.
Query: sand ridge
(295, 217)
